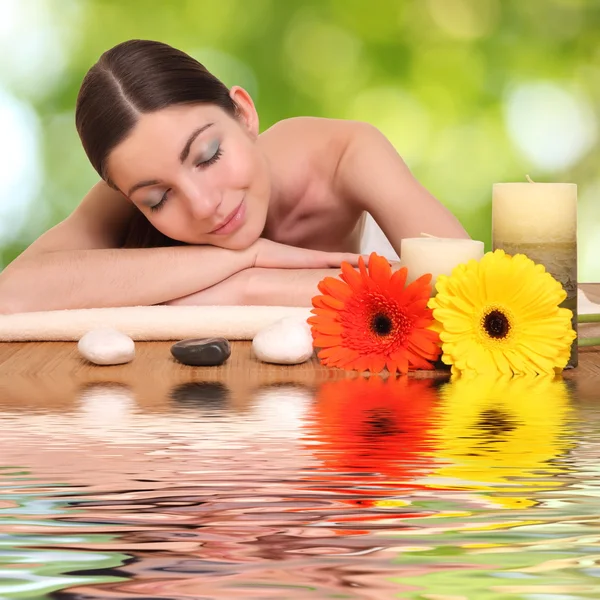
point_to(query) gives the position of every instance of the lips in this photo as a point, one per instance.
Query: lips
(232, 221)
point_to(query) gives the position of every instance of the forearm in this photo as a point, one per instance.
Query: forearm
(115, 277)
(263, 287)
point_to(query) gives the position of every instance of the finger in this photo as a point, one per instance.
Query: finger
(352, 259)
(337, 259)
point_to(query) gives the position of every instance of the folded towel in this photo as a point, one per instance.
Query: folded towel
(146, 323)
(154, 323)
(585, 306)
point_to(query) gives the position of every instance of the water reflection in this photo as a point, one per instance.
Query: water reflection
(104, 405)
(364, 487)
(207, 396)
(503, 434)
(282, 407)
(373, 427)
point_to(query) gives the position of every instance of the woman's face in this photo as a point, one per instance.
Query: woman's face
(197, 173)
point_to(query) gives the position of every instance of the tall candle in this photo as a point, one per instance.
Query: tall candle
(540, 221)
(437, 256)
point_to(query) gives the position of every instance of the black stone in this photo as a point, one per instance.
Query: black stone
(208, 352)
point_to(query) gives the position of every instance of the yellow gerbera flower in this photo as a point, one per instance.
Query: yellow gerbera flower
(501, 314)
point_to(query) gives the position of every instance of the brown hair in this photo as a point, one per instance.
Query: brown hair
(132, 78)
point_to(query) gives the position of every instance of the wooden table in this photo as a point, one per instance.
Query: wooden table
(52, 373)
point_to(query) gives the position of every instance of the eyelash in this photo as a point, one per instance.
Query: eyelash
(213, 159)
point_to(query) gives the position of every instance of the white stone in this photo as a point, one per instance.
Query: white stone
(287, 341)
(106, 347)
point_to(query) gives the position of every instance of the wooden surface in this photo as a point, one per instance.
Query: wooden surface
(53, 373)
(153, 362)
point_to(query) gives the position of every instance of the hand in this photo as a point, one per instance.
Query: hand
(268, 254)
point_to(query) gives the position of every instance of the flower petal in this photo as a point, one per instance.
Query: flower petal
(324, 340)
(336, 288)
(352, 277)
(398, 281)
(380, 270)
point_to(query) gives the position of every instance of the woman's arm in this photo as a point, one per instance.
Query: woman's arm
(140, 277)
(263, 287)
(79, 264)
(115, 277)
(372, 174)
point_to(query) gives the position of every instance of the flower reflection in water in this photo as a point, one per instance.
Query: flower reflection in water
(370, 437)
(374, 427)
(502, 435)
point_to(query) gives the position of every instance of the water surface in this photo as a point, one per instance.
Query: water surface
(350, 488)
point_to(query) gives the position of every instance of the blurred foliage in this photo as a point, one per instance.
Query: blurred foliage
(438, 77)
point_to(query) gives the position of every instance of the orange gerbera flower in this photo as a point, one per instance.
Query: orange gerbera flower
(371, 319)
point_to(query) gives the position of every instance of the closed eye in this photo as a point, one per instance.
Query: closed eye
(160, 204)
(213, 159)
(203, 164)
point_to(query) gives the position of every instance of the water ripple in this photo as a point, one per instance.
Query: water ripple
(355, 488)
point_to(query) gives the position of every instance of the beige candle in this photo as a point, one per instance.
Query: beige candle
(540, 221)
(436, 255)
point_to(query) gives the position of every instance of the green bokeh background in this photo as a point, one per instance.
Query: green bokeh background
(470, 92)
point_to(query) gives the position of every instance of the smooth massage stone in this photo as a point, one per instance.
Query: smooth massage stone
(208, 352)
(106, 346)
(287, 341)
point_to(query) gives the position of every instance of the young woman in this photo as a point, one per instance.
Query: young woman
(195, 206)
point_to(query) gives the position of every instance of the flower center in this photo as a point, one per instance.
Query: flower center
(496, 324)
(381, 324)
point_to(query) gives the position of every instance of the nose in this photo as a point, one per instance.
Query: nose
(203, 203)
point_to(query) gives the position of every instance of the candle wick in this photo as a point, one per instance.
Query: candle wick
(529, 179)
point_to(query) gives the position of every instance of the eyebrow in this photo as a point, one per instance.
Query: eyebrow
(182, 158)
(142, 184)
(186, 149)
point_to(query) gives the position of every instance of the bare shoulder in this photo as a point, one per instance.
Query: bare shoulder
(316, 133)
(99, 221)
(308, 147)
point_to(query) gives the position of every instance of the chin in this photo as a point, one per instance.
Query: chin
(241, 241)
(247, 235)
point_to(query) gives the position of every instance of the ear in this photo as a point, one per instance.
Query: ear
(246, 110)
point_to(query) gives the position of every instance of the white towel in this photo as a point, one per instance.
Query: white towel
(146, 323)
(155, 323)
(585, 306)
